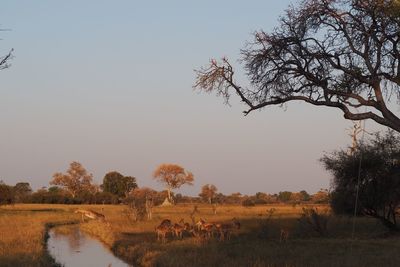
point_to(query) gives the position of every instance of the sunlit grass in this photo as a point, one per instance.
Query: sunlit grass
(22, 229)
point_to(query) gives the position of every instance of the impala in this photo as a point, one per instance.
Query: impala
(178, 228)
(92, 215)
(162, 231)
(207, 227)
(225, 229)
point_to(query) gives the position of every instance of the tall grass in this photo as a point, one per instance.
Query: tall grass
(23, 234)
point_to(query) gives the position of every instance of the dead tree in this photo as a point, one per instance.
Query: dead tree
(334, 53)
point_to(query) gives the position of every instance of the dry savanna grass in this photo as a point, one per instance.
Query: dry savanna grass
(257, 243)
(22, 229)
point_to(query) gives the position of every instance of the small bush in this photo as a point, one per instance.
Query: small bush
(135, 210)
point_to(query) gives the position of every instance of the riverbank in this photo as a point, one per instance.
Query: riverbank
(23, 231)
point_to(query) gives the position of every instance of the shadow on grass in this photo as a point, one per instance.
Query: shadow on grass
(257, 244)
(10, 211)
(27, 260)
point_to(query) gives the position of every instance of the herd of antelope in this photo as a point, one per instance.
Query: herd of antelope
(201, 230)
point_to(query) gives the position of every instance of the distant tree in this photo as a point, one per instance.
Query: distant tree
(117, 184)
(208, 192)
(321, 197)
(260, 198)
(284, 196)
(105, 198)
(296, 197)
(6, 194)
(379, 179)
(219, 198)
(172, 176)
(142, 193)
(340, 54)
(22, 191)
(305, 196)
(55, 189)
(54, 195)
(234, 198)
(248, 202)
(75, 181)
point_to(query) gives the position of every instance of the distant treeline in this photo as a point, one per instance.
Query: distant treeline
(76, 186)
(22, 193)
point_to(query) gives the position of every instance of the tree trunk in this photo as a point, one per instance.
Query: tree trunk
(169, 195)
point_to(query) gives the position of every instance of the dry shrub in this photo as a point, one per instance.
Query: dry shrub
(135, 211)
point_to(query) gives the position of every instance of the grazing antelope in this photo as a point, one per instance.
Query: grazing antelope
(166, 222)
(284, 235)
(225, 229)
(187, 226)
(178, 228)
(161, 232)
(163, 229)
(207, 227)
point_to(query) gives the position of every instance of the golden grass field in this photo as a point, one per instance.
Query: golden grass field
(23, 229)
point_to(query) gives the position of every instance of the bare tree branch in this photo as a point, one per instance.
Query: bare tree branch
(337, 53)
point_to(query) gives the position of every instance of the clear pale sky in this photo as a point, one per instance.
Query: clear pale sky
(109, 84)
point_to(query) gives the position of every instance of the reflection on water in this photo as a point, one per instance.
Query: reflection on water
(70, 247)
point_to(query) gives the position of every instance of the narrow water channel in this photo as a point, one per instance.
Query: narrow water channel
(73, 248)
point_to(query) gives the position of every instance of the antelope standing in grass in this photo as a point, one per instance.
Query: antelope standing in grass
(179, 227)
(162, 231)
(226, 229)
(166, 222)
(284, 235)
(202, 225)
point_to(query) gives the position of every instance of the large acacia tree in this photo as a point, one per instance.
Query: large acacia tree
(172, 176)
(343, 54)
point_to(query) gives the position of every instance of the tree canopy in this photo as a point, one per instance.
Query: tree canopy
(378, 178)
(118, 184)
(172, 176)
(21, 191)
(208, 192)
(343, 54)
(76, 180)
(6, 194)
